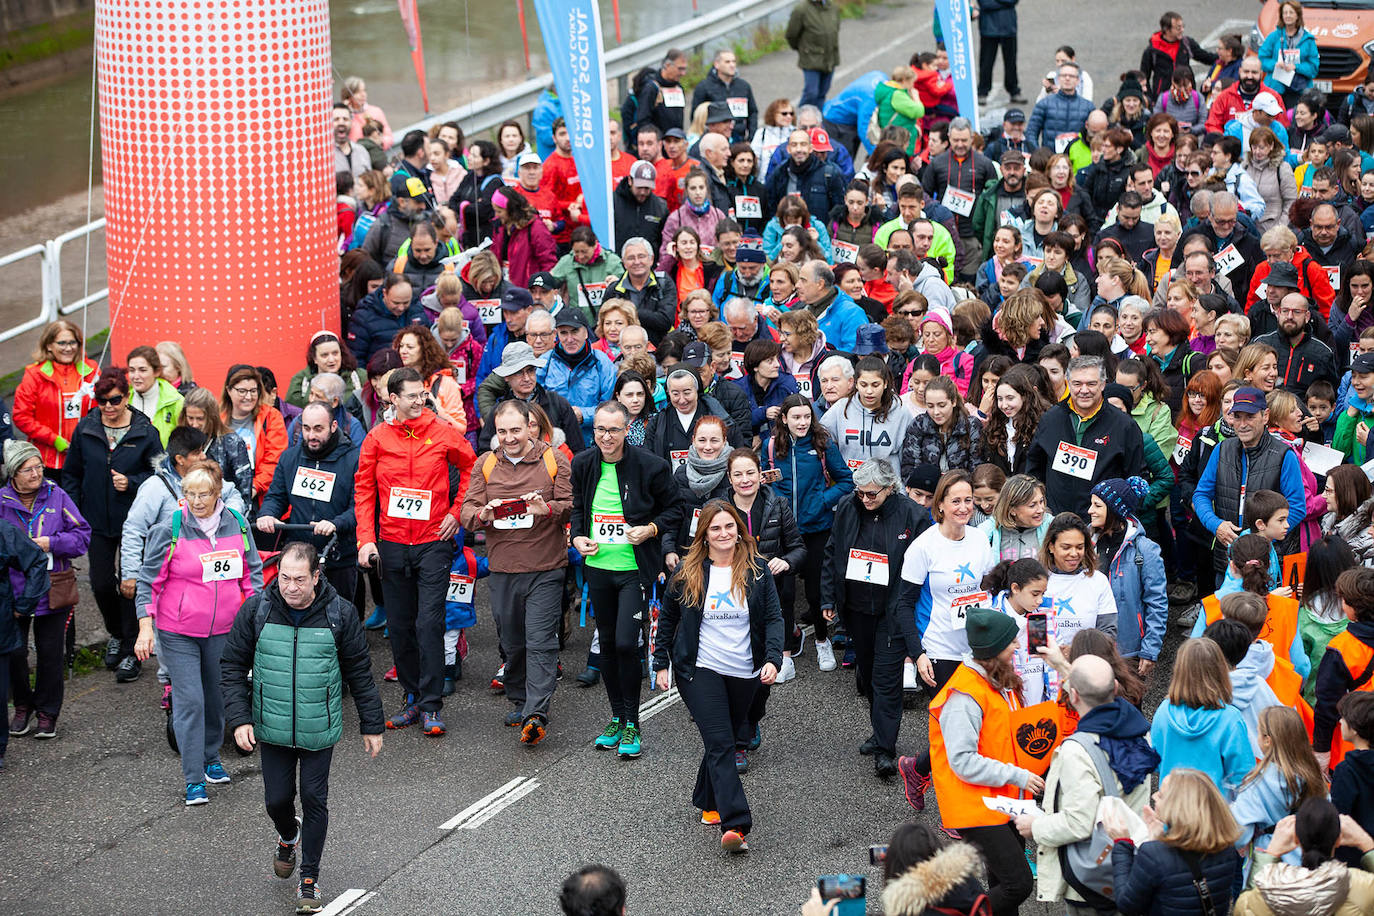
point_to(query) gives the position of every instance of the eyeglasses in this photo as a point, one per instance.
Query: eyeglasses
(539, 335)
(113, 401)
(1197, 394)
(244, 392)
(66, 344)
(1294, 312)
(608, 430)
(870, 495)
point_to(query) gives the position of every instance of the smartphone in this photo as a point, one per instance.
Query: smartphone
(772, 475)
(510, 507)
(877, 854)
(849, 890)
(1037, 631)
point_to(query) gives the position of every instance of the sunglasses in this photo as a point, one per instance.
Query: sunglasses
(1196, 173)
(111, 401)
(911, 313)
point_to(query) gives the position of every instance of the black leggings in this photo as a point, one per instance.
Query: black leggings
(49, 642)
(621, 609)
(1009, 876)
(121, 622)
(279, 791)
(815, 543)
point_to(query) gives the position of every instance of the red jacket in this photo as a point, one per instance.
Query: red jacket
(560, 177)
(49, 402)
(546, 204)
(410, 456)
(932, 88)
(1229, 104)
(1313, 283)
(672, 179)
(526, 251)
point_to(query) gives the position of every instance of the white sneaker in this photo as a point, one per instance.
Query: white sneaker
(909, 676)
(788, 671)
(825, 655)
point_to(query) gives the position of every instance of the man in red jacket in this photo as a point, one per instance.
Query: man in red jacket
(403, 469)
(1239, 97)
(529, 171)
(560, 177)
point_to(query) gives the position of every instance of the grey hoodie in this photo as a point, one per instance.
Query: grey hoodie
(861, 435)
(154, 504)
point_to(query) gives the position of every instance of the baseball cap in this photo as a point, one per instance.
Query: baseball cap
(696, 354)
(1266, 103)
(674, 133)
(544, 280)
(820, 140)
(1249, 400)
(528, 158)
(1012, 157)
(1014, 116)
(1363, 364)
(1336, 133)
(718, 112)
(407, 186)
(571, 318)
(1284, 274)
(515, 299)
(643, 175)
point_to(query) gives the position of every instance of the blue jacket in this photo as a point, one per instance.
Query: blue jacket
(342, 461)
(1155, 880)
(373, 326)
(818, 182)
(1260, 806)
(855, 105)
(1233, 129)
(1308, 59)
(459, 615)
(1139, 585)
(18, 551)
(772, 238)
(1290, 485)
(727, 287)
(997, 18)
(547, 109)
(1057, 114)
(778, 390)
(1211, 740)
(841, 322)
(586, 383)
(491, 353)
(812, 484)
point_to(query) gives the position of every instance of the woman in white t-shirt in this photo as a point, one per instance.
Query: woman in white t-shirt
(721, 632)
(1018, 590)
(1082, 596)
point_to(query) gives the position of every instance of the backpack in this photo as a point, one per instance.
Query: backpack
(176, 528)
(550, 465)
(1087, 864)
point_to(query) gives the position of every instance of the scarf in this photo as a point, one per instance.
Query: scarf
(1157, 163)
(1121, 730)
(325, 448)
(210, 524)
(704, 476)
(571, 360)
(699, 209)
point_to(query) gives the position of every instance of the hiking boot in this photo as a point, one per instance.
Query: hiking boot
(408, 716)
(284, 860)
(869, 747)
(610, 738)
(308, 898)
(22, 722)
(533, 731)
(915, 784)
(629, 747)
(433, 725)
(47, 726)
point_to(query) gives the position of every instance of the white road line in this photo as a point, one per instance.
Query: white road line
(649, 710)
(867, 63)
(501, 804)
(477, 806)
(345, 902)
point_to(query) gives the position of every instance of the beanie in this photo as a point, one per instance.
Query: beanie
(16, 453)
(989, 632)
(1122, 496)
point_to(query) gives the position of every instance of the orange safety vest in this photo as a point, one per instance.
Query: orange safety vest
(1037, 730)
(961, 803)
(1279, 630)
(1359, 661)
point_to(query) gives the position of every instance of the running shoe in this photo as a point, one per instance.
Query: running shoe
(757, 740)
(498, 680)
(113, 650)
(848, 660)
(512, 719)
(629, 742)
(433, 725)
(732, 841)
(47, 726)
(216, 774)
(377, 620)
(788, 671)
(741, 762)
(390, 675)
(710, 818)
(533, 731)
(589, 677)
(284, 859)
(825, 655)
(308, 897)
(166, 701)
(408, 716)
(22, 723)
(196, 794)
(610, 738)
(951, 833)
(915, 784)
(128, 669)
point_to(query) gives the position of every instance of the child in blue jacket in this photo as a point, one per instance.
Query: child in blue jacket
(460, 611)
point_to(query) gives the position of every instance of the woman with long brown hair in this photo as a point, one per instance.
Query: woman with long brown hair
(1014, 418)
(245, 411)
(720, 633)
(421, 351)
(522, 241)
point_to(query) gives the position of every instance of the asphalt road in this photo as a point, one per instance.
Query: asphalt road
(93, 822)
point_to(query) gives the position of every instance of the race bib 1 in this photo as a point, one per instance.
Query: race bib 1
(489, 310)
(313, 484)
(71, 406)
(411, 504)
(961, 202)
(678, 458)
(866, 566)
(1333, 275)
(747, 207)
(1075, 461)
(221, 566)
(959, 606)
(672, 96)
(739, 108)
(460, 371)
(610, 529)
(1228, 259)
(853, 462)
(845, 252)
(460, 588)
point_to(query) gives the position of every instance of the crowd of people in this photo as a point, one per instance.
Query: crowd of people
(992, 403)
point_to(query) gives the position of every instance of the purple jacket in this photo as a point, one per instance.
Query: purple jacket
(53, 516)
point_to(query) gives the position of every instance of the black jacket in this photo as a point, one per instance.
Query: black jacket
(341, 460)
(665, 434)
(1155, 880)
(1103, 183)
(560, 415)
(1344, 252)
(634, 219)
(18, 551)
(1112, 434)
(1302, 365)
(647, 495)
(677, 540)
(1158, 66)
(656, 303)
(713, 89)
(471, 202)
(739, 412)
(775, 528)
(651, 107)
(896, 524)
(355, 664)
(990, 344)
(679, 627)
(1246, 245)
(818, 182)
(86, 475)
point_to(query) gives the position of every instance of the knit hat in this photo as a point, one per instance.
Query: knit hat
(989, 632)
(924, 477)
(750, 250)
(16, 453)
(1122, 496)
(1114, 390)
(937, 315)
(1131, 87)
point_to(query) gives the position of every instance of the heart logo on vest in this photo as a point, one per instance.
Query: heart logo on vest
(1037, 739)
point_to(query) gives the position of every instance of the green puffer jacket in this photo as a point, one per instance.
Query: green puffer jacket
(813, 31)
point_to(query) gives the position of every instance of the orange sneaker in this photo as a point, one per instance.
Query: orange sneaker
(710, 818)
(733, 841)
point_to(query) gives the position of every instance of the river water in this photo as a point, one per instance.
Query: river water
(471, 48)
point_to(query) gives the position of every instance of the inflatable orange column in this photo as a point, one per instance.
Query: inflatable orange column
(219, 187)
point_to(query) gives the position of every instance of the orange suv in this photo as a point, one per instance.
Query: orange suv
(1344, 30)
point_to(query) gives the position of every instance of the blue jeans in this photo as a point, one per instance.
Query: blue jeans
(197, 708)
(815, 86)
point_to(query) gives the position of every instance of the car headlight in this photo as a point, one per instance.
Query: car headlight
(1368, 47)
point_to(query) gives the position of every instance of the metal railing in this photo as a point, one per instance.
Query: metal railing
(485, 114)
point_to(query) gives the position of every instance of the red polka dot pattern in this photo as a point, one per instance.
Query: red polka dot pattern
(219, 186)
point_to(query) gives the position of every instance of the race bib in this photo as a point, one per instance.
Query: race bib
(460, 588)
(853, 462)
(489, 310)
(866, 566)
(692, 528)
(1063, 142)
(672, 96)
(411, 504)
(610, 529)
(313, 484)
(592, 294)
(71, 406)
(1333, 275)
(747, 207)
(961, 202)
(845, 252)
(1181, 450)
(959, 606)
(513, 522)
(739, 108)
(1228, 259)
(678, 458)
(1075, 461)
(804, 386)
(460, 371)
(221, 566)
